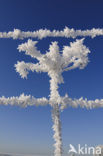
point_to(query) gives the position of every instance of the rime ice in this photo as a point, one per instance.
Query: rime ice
(54, 62)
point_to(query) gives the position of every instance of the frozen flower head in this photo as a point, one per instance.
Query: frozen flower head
(54, 61)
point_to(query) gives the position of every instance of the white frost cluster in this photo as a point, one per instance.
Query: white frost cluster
(42, 33)
(54, 62)
(23, 101)
(83, 103)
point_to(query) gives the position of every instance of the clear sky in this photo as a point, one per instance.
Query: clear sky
(28, 131)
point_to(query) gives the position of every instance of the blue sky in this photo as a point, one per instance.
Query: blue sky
(29, 130)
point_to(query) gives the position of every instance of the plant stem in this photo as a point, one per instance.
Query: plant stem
(57, 130)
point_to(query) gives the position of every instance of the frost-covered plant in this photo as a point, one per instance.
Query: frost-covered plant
(54, 62)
